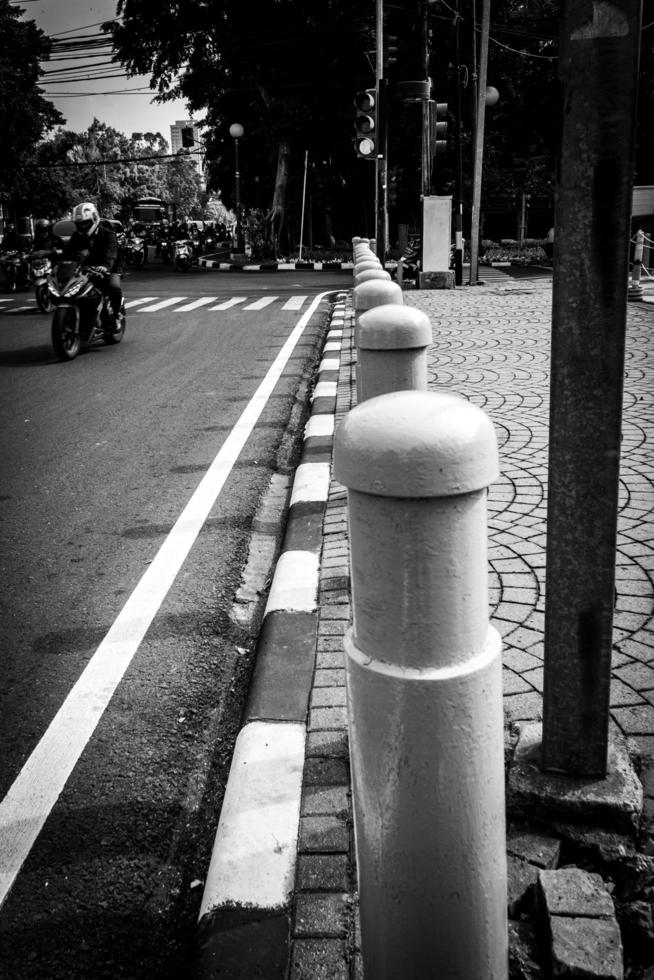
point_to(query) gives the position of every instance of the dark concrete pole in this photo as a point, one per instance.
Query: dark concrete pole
(599, 56)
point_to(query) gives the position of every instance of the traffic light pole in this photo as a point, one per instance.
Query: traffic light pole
(381, 164)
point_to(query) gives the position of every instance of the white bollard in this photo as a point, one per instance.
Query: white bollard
(392, 352)
(368, 295)
(373, 273)
(424, 689)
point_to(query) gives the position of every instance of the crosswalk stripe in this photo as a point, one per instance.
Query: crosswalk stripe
(196, 304)
(20, 309)
(294, 303)
(163, 304)
(228, 303)
(139, 302)
(260, 304)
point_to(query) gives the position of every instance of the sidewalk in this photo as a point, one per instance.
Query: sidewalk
(490, 345)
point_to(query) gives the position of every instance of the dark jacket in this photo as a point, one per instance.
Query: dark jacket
(100, 249)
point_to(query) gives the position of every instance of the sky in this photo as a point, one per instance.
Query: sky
(105, 99)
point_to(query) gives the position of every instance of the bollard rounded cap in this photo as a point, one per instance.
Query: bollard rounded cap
(416, 444)
(364, 265)
(368, 274)
(376, 292)
(393, 327)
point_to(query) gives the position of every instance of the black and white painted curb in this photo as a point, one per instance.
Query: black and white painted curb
(244, 914)
(275, 266)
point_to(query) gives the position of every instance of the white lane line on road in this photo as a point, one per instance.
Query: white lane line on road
(36, 789)
(139, 302)
(228, 303)
(162, 305)
(260, 304)
(196, 304)
(294, 303)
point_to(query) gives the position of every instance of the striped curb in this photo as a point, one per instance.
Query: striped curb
(244, 922)
(276, 266)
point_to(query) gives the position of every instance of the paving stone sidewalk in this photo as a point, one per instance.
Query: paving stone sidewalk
(491, 345)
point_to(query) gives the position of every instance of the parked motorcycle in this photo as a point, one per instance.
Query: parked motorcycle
(41, 274)
(82, 312)
(15, 269)
(183, 255)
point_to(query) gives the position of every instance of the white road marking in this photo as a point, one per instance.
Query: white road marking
(36, 789)
(19, 309)
(162, 304)
(228, 303)
(139, 302)
(260, 304)
(196, 304)
(294, 303)
(253, 857)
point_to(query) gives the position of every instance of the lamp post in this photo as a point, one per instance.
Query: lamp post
(236, 132)
(490, 98)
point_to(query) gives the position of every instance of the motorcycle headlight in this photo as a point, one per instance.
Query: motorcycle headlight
(73, 288)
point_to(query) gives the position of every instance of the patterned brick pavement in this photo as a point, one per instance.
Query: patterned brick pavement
(491, 345)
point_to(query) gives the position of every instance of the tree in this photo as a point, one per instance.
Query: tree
(25, 116)
(288, 75)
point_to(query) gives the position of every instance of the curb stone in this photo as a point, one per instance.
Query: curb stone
(244, 926)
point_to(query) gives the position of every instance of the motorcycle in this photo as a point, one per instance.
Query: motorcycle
(165, 250)
(14, 266)
(82, 312)
(41, 274)
(183, 255)
(134, 251)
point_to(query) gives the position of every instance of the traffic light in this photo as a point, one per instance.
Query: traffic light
(365, 141)
(187, 137)
(438, 127)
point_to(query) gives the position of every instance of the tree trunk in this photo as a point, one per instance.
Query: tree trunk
(277, 213)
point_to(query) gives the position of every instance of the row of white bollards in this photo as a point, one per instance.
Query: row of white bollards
(423, 664)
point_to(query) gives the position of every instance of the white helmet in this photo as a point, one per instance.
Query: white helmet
(86, 218)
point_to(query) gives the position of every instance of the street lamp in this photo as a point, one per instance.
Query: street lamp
(236, 132)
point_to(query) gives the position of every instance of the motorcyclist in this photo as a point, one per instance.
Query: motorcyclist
(94, 244)
(43, 243)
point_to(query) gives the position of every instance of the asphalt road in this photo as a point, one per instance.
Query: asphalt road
(120, 658)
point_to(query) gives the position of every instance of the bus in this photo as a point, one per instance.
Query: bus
(150, 210)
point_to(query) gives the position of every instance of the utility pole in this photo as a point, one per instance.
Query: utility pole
(458, 214)
(426, 113)
(479, 142)
(598, 67)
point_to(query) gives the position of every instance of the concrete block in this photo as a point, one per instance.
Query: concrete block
(520, 884)
(586, 948)
(573, 892)
(436, 280)
(613, 803)
(541, 850)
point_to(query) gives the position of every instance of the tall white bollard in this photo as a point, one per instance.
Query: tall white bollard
(424, 689)
(392, 350)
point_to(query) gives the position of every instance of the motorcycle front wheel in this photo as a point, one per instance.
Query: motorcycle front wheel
(138, 258)
(10, 273)
(42, 295)
(66, 338)
(181, 265)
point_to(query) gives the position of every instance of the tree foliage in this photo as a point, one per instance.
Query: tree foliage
(25, 116)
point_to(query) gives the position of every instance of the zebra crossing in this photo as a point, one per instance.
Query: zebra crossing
(178, 304)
